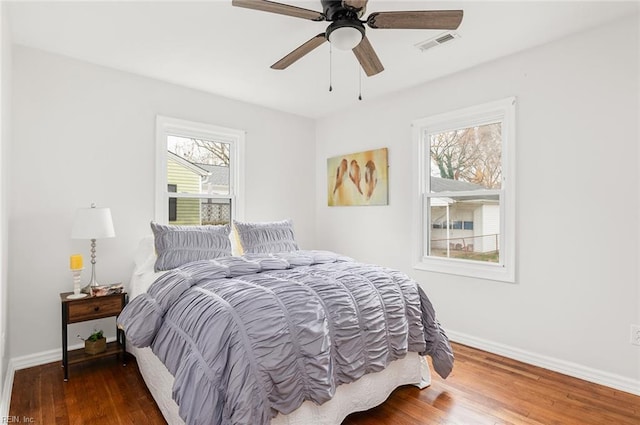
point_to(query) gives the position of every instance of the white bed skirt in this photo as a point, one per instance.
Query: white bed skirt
(367, 392)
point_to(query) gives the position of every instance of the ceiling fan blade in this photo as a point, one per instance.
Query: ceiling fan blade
(368, 58)
(425, 19)
(300, 52)
(282, 9)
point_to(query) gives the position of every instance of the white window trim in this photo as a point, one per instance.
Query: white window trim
(166, 126)
(479, 114)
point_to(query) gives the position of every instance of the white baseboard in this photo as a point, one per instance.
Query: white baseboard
(6, 391)
(24, 362)
(44, 357)
(576, 370)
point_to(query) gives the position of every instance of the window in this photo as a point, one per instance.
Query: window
(465, 204)
(198, 178)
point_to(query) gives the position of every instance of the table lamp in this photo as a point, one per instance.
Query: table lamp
(92, 223)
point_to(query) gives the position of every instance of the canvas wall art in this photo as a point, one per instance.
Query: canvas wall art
(358, 179)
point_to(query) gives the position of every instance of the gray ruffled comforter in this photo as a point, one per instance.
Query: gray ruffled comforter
(248, 337)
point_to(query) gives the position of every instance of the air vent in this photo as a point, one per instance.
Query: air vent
(436, 41)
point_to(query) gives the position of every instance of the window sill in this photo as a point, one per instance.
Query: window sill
(488, 271)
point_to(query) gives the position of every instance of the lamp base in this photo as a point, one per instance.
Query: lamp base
(88, 290)
(76, 296)
(93, 283)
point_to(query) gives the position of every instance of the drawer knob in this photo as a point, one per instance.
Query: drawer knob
(96, 308)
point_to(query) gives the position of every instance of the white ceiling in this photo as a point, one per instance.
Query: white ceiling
(215, 47)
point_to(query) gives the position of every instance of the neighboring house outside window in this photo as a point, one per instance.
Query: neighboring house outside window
(198, 178)
(454, 232)
(185, 177)
(216, 181)
(465, 179)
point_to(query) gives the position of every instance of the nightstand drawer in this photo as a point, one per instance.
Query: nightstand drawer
(94, 308)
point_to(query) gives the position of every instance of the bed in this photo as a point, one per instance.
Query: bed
(332, 396)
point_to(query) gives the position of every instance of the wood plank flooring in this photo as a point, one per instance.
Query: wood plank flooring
(101, 392)
(483, 389)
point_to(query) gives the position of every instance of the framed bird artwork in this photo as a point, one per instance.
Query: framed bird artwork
(358, 179)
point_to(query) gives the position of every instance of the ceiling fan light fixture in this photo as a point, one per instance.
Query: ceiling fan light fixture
(345, 37)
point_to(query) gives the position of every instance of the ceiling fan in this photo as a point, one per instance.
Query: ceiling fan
(347, 30)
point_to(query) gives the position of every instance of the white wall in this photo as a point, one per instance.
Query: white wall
(577, 161)
(84, 133)
(5, 136)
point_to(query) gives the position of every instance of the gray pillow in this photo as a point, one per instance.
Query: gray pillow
(260, 238)
(178, 245)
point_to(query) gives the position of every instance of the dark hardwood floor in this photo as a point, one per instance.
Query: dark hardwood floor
(101, 392)
(483, 389)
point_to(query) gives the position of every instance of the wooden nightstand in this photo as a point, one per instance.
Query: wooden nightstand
(89, 308)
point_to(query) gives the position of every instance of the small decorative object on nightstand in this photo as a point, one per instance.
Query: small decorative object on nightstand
(76, 271)
(89, 308)
(96, 343)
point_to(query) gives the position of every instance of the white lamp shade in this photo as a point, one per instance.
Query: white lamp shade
(345, 38)
(92, 223)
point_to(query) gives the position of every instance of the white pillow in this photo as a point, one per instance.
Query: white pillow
(145, 256)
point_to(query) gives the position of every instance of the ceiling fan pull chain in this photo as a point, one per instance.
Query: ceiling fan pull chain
(359, 83)
(330, 68)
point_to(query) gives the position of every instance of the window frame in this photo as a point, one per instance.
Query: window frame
(503, 111)
(167, 126)
(173, 203)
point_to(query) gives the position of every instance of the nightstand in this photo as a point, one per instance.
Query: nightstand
(90, 308)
